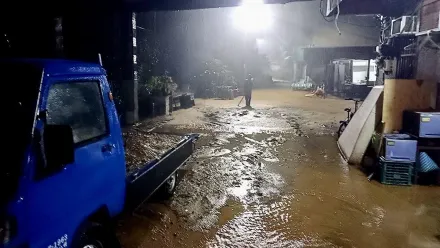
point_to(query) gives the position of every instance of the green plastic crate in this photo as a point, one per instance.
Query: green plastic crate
(396, 173)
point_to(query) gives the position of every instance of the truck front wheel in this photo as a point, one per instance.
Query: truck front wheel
(94, 235)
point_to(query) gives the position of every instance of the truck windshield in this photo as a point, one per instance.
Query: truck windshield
(20, 85)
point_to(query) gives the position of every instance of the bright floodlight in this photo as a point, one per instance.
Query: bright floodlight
(253, 16)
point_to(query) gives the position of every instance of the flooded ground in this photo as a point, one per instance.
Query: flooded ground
(272, 177)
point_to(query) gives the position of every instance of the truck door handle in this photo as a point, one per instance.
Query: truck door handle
(108, 147)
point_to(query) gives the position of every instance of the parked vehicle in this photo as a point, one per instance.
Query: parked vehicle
(65, 177)
(350, 114)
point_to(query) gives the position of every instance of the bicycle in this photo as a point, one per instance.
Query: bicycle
(343, 124)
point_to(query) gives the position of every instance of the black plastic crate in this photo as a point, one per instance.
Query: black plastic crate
(396, 173)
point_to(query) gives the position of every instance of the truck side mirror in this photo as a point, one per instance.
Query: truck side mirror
(58, 146)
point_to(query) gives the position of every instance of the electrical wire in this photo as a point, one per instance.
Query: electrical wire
(337, 17)
(417, 8)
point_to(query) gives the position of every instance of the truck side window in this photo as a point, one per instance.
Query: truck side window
(78, 104)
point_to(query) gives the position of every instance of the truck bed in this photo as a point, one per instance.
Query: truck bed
(144, 181)
(142, 147)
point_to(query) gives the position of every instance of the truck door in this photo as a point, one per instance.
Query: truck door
(60, 202)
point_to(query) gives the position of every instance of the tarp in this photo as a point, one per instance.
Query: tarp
(427, 164)
(355, 139)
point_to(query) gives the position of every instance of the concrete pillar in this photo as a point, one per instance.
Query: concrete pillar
(82, 35)
(111, 35)
(129, 68)
(298, 71)
(131, 99)
(304, 72)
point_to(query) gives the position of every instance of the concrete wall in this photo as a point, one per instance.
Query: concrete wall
(429, 15)
(438, 98)
(428, 66)
(326, 35)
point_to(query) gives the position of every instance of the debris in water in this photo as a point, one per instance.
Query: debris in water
(276, 140)
(245, 112)
(255, 141)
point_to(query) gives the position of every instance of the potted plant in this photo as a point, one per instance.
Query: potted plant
(161, 88)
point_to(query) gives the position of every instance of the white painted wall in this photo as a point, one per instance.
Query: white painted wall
(360, 72)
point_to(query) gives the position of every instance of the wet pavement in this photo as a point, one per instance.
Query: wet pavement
(272, 177)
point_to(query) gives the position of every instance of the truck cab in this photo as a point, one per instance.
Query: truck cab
(66, 167)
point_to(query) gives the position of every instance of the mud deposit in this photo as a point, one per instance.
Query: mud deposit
(142, 146)
(272, 177)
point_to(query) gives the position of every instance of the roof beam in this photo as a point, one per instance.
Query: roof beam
(393, 8)
(54, 6)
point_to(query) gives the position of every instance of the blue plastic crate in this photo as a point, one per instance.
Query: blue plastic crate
(400, 147)
(396, 172)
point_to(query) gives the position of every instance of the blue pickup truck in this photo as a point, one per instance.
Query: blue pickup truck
(63, 177)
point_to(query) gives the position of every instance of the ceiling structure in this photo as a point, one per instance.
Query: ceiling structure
(371, 7)
(145, 5)
(51, 6)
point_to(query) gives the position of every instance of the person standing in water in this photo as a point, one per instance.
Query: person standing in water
(248, 85)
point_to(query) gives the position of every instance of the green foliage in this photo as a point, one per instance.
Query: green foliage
(212, 74)
(157, 86)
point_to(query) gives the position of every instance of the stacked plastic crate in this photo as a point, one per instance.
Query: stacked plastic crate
(397, 164)
(425, 127)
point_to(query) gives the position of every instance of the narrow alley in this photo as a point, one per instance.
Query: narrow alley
(220, 124)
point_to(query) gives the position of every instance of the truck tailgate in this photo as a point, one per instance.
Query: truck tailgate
(146, 181)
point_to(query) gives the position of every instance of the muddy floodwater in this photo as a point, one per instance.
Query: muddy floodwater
(272, 176)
